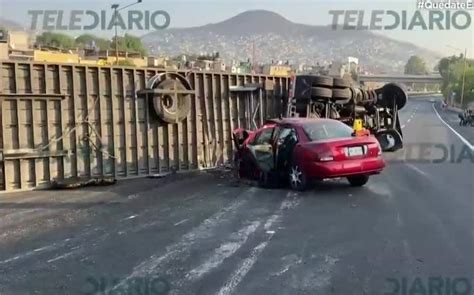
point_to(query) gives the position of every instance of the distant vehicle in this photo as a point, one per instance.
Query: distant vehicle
(467, 118)
(300, 150)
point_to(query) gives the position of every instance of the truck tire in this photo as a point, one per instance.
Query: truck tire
(341, 83)
(321, 92)
(323, 81)
(341, 94)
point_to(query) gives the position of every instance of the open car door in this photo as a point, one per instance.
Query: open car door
(261, 149)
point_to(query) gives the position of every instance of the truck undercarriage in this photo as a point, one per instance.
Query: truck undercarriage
(335, 98)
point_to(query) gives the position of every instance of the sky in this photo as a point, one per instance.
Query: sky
(188, 13)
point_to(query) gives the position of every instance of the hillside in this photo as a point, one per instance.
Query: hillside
(10, 25)
(276, 38)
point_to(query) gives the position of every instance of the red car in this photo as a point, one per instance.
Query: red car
(302, 149)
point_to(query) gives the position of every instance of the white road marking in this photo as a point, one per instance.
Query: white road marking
(403, 126)
(65, 255)
(181, 222)
(133, 196)
(243, 269)
(247, 264)
(174, 250)
(286, 204)
(413, 167)
(130, 217)
(289, 262)
(224, 251)
(465, 141)
(27, 254)
(399, 220)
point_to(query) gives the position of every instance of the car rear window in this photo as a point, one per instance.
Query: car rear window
(327, 130)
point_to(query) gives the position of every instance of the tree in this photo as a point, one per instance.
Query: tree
(55, 40)
(85, 41)
(452, 70)
(130, 43)
(415, 66)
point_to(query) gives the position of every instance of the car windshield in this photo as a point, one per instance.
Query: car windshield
(327, 130)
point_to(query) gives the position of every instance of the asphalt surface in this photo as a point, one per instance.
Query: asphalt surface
(411, 226)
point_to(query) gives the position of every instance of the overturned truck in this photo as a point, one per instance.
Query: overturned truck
(335, 98)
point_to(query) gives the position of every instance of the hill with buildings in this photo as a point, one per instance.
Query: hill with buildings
(268, 36)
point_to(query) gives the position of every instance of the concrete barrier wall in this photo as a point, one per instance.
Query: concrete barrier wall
(61, 121)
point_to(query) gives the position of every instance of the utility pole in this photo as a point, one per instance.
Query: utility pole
(253, 56)
(464, 76)
(464, 72)
(116, 10)
(115, 6)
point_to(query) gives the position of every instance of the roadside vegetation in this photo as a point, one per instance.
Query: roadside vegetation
(126, 43)
(416, 66)
(452, 69)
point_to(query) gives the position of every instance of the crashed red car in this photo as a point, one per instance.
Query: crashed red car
(301, 150)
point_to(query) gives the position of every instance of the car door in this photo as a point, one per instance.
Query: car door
(286, 139)
(261, 148)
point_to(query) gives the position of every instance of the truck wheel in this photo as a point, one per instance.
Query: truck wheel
(358, 180)
(323, 81)
(321, 92)
(341, 83)
(341, 94)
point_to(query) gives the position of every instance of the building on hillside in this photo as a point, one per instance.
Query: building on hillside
(109, 57)
(241, 67)
(277, 70)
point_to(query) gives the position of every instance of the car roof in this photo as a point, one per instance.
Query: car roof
(298, 121)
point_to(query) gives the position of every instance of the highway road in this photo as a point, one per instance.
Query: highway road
(411, 227)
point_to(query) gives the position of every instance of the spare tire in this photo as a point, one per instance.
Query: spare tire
(320, 92)
(172, 108)
(341, 83)
(323, 81)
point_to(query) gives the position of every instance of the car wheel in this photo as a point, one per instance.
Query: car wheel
(358, 180)
(297, 178)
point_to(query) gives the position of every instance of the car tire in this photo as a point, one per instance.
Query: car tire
(341, 94)
(323, 81)
(341, 83)
(358, 180)
(297, 178)
(321, 92)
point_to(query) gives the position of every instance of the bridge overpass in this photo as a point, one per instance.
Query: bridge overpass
(426, 79)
